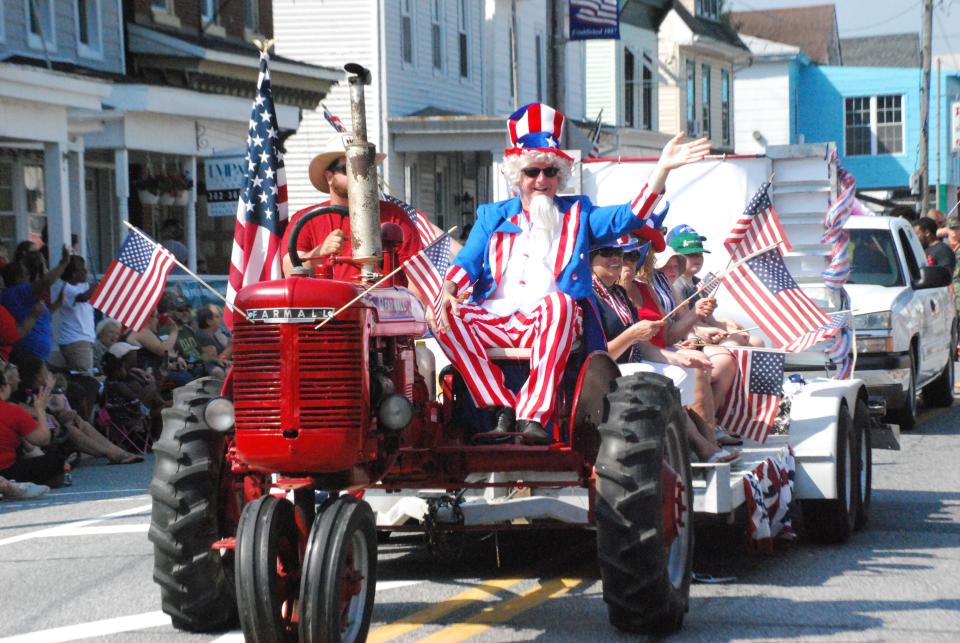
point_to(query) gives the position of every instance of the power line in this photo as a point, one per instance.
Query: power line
(883, 22)
(943, 35)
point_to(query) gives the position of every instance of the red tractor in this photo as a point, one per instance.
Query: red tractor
(345, 408)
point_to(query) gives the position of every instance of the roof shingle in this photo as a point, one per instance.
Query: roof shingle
(890, 50)
(813, 29)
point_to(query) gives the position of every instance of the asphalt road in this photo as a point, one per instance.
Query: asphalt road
(77, 565)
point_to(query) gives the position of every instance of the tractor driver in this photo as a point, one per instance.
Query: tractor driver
(329, 235)
(527, 259)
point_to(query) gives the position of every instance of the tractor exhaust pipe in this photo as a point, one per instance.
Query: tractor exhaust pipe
(362, 186)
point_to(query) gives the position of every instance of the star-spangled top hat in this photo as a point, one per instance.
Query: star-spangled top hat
(536, 127)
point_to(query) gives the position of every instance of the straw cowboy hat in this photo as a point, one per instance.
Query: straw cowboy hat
(334, 148)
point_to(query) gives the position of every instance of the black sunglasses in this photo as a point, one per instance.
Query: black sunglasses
(338, 169)
(534, 172)
(631, 256)
(606, 253)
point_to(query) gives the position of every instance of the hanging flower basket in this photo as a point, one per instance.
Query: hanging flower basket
(147, 197)
(182, 199)
(167, 198)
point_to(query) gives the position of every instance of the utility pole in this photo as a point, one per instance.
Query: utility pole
(939, 138)
(924, 170)
(514, 66)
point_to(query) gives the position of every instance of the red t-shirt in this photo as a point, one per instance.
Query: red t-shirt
(15, 423)
(8, 333)
(314, 233)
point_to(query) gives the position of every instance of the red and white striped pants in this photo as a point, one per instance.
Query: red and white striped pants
(549, 330)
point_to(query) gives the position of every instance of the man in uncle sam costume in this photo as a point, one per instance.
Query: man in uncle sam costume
(527, 259)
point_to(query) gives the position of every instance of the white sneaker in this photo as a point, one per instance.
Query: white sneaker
(28, 490)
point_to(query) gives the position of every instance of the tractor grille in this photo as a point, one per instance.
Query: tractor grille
(322, 366)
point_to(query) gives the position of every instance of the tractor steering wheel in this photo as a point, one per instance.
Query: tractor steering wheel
(295, 259)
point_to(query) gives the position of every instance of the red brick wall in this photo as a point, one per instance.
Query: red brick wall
(231, 15)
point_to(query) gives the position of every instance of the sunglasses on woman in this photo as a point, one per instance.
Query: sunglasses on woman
(606, 253)
(534, 172)
(632, 257)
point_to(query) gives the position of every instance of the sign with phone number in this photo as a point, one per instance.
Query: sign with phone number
(224, 179)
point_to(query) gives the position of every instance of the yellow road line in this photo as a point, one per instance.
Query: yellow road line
(435, 612)
(500, 612)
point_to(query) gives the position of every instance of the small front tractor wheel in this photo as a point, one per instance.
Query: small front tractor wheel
(268, 570)
(339, 573)
(188, 516)
(644, 506)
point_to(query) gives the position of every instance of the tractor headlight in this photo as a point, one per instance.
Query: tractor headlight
(872, 321)
(218, 414)
(395, 412)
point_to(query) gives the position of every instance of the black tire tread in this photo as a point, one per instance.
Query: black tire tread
(196, 590)
(630, 548)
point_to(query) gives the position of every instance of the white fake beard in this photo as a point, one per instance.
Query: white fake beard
(544, 221)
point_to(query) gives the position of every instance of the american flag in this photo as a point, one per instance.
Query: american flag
(427, 268)
(333, 119)
(754, 398)
(709, 284)
(814, 337)
(262, 210)
(133, 283)
(764, 288)
(598, 12)
(595, 136)
(758, 227)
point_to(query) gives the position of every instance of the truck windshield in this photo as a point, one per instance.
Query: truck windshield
(873, 258)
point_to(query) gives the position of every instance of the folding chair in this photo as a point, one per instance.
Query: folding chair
(126, 426)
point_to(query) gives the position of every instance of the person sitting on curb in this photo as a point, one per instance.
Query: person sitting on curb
(13, 490)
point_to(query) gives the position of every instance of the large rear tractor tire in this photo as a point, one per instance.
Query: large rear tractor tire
(646, 579)
(196, 582)
(832, 521)
(339, 574)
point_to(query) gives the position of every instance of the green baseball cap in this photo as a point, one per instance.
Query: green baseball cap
(688, 243)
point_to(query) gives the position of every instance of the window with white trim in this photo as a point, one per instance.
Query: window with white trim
(725, 106)
(708, 9)
(209, 12)
(705, 98)
(538, 56)
(251, 15)
(436, 33)
(89, 28)
(692, 98)
(873, 125)
(40, 24)
(648, 88)
(629, 88)
(463, 40)
(406, 31)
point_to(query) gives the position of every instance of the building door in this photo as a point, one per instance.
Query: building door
(103, 230)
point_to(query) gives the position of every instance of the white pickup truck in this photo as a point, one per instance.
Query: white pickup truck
(905, 317)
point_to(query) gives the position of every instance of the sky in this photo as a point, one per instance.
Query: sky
(857, 18)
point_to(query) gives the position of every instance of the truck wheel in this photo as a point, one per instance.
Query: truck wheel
(196, 582)
(939, 392)
(267, 570)
(339, 574)
(906, 417)
(646, 579)
(864, 464)
(832, 521)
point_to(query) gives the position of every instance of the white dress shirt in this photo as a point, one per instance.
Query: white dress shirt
(528, 276)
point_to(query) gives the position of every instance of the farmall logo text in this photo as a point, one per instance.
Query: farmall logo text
(289, 315)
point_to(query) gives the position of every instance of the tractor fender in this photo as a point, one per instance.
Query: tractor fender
(813, 434)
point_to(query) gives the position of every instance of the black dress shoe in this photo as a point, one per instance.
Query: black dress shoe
(533, 432)
(503, 425)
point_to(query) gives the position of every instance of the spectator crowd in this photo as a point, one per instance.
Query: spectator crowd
(77, 387)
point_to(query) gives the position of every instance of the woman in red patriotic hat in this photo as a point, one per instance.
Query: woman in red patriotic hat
(527, 261)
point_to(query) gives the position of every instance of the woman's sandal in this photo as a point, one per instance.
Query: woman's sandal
(130, 458)
(724, 439)
(724, 456)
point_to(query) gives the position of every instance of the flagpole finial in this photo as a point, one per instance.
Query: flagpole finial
(264, 45)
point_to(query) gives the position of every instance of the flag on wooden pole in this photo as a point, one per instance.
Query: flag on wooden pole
(134, 281)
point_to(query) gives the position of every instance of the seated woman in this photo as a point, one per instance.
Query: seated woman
(17, 426)
(108, 334)
(159, 350)
(631, 338)
(34, 377)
